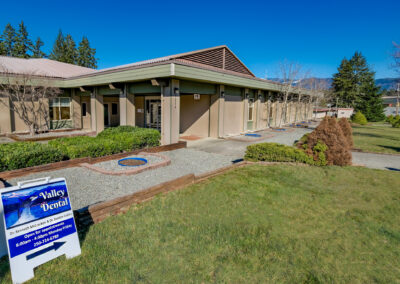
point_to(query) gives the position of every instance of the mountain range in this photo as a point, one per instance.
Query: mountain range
(384, 83)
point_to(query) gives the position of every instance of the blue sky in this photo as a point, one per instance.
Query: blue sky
(317, 34)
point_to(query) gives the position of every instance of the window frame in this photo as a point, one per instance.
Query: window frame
(52, 104)
(84, 114)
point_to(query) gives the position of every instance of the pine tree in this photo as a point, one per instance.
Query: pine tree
(86, 54)
(70, 55)
(9, 40)
(369, 99)
(58, 52)
(354, 86)
(36, 50)
(22, 42)
(2, 47)
(344, 92)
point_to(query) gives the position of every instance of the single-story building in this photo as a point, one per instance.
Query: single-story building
(337, 112)
(207, 93)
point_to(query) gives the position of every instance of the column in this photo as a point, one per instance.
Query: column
(130, 109)
(246, 109)
(93, 123)
(170, 113)
(122, 106)
(76, 110)
(258, 110)
(97, 111)
(221, 108)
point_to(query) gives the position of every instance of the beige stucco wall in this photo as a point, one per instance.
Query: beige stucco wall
(76, 111)
(130, 110)
(5, 116)
(20, 126)
(194, 115)
(214, 115)
(233, 115)
(86, 120)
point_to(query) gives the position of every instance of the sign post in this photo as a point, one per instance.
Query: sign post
(39, 225)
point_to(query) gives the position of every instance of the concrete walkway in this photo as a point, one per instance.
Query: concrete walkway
(236, 149)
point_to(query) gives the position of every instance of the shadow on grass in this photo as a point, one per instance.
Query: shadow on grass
(393, 169)
(397, 149)
(371, 135)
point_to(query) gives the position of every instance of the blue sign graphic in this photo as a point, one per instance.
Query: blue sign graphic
(41, 237)
(26, 205)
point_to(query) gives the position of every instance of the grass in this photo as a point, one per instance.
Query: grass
(377, 137)
(278, 223)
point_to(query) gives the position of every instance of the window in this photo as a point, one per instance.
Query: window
(251, 106)
(84, 109)
(60, 109)
(114, 108)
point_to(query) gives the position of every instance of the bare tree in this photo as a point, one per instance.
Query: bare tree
(22, 95)
(289, 75)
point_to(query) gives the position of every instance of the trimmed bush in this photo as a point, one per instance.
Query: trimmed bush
(359, 118)
(27, 154)
(274, 152)
(394, 120)
(110, 141)
(329, 133)
(347, 131)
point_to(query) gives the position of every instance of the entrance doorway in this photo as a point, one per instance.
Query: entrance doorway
(153, 114)
(106, 116)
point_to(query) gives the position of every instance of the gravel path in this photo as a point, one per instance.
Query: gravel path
(87, 187)
(114, 166)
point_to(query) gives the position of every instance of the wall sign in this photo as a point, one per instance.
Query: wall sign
(39, 225)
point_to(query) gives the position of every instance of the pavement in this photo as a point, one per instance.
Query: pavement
(236, 149)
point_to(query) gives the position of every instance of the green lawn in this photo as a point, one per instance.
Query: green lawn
(377, 137)
(280, 223)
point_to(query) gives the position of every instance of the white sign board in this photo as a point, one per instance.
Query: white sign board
(39, 225)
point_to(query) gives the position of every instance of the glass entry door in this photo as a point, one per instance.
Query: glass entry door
(153, 114)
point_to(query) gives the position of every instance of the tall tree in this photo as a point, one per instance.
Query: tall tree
(2, 47)
(36, 50)
(344, 92)
(22, 42)
(58, 52)
(9, 40)
(354, 86)
(70, 54)
(86, 54)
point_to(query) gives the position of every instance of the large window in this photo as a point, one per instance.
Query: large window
(60, 109)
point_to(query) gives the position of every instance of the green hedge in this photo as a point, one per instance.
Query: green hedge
(110, 141)
(394, 120)
(27, 154)
(274, 152)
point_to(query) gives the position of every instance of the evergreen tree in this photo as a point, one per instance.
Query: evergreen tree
(70, 55)
(354, 86)
(9, 40)
(86, 54)
(22, 42)
(2, 47)
(344, 92)
(58, 52)
(36, 50)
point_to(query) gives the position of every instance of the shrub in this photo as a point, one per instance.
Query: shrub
(329, 133)
(347, 131)
(389, 118)
(396, 121)
(27, 154)
(110, 141)
(274, 152)
(359, 118)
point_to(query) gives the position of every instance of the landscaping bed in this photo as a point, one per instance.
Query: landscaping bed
(111, 141)
(330, 224)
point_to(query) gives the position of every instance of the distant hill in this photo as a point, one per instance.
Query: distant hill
(384, 83)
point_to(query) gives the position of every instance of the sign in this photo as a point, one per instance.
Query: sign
(39, 225)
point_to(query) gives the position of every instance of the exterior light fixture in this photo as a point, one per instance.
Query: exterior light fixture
(222, 94)
(176, 91)
(247, 95)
